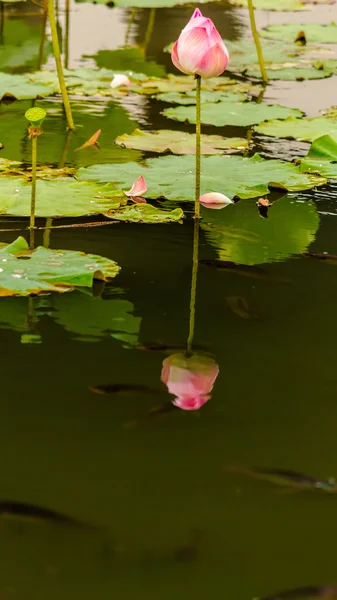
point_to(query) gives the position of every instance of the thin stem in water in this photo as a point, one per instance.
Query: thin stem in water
(33, 196)
(149, 30)
(66, 35)
(258, 46)
(43, 36)
(57, 54)
(193, 285)
(197, 150)
(130, 23)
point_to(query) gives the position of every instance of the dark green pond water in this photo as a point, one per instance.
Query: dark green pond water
(175, 523)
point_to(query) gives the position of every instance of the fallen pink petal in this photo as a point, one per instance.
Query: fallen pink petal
(189, 378)
(215, 200)
(200, 49)
(139, 188)
(138, 200)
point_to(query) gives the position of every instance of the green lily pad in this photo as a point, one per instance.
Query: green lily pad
(179, 142)
(128, 59)
(186, 84)
(324, 167)
(240, 235)
(173, 176)
(21, 88)
(305, 130)
(206, 97)
(239, 114)
(324, 147)
(57, 198)
(145, 213)
(283, 60)
(87, 318)
(270, 4)
(314, 32)
(25, 272)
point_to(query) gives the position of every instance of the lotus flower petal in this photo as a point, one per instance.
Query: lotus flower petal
(199, 49)
(190, 403)
(120, 80)
(138, 189)
(214, 62)
(215, 198)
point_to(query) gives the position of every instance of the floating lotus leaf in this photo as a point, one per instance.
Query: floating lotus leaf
(21, 88)
(270, 4)
(314, 32)
(206, 97)
(239, 114)
(179, 142)
(173, 176)
(57, 198)
(240, 235)
(24, 272)
(324, 147)
(186, 83)
(321, 166)
(305, 130)
(87, 318)
(145, 213)
(281, 5)
(283, 60)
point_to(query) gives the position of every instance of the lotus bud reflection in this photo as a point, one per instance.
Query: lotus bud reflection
(189, 378)
(215, 200)
(200, 49)
(139, 188)
(120, 80)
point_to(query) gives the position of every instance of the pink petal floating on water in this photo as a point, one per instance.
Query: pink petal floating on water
(139, 188)
(215, 200)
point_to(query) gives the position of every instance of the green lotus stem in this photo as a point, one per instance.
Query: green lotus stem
(33, 195)
(2, 22)
(66, 35)
(130, 23)
(258, 46)
(193, 285)
(46, 233)
(57, 54)
(43, 37)
(197, 150)
(149, 29)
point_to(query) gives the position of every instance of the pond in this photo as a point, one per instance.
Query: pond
(173, 520)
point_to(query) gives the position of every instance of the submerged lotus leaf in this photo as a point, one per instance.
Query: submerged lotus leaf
(128, 59)
(145, 213)
(314, 32)
(206, 97)
(179, 142)
(24, 272)
(305, 130)
(21, 43)
(239, 114)
(320, 166)
(240, 235)
(86, 317)
(172, 177)
(57, 197)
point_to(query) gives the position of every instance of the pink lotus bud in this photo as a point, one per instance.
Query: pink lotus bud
(138, 189)
(120, 80)
(189, 378)
(215, 200)
(200, 49)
